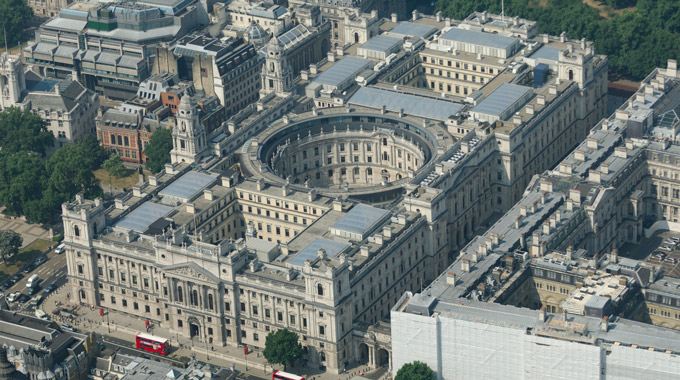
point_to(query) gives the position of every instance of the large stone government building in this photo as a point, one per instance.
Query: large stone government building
(343, 187)
(556, 251)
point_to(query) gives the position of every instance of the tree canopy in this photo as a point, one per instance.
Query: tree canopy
(415, 371)
(22, 176)
(22, 130)
(14, 15)
(282, 347)
(636, 41)
(114, 165)
(158, 150)
(35, 188)
(10, 242)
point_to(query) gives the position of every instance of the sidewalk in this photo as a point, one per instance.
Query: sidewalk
(125, 327)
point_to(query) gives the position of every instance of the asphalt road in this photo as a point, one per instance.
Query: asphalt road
(53, 271)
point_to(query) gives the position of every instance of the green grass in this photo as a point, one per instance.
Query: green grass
(25, 256)
(126, 182)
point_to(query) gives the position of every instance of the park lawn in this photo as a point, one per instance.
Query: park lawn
(122, 183)
(25, 256)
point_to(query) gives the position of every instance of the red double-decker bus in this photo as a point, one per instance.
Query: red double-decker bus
(152, 343)
(280, 375)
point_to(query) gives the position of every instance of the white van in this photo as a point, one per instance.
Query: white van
(32, 281)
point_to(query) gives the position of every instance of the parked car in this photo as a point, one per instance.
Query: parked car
(33, 290)
(665, 248)
(35, 301)
(39, 261)
(49, 288)
(28, 268)
(659, 255)
(23, 298)
(671, 260)
(13, 297)
(16, 278)
(60, 249)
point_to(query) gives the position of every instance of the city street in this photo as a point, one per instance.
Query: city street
(53, 271)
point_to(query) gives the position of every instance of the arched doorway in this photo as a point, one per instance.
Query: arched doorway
(363, 353)
(383, 358)
(194, 328)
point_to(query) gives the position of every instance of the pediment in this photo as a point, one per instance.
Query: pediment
(190, 270)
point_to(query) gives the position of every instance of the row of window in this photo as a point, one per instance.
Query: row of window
(461, 65)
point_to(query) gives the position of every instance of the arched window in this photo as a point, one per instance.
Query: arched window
(571, 75)
(120, 140)
(319, 289)
(76, 231)
(126, 141)
(180, 295)
(385, 141)
(210, 302)
(194, 296)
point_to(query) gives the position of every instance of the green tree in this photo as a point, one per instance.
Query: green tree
(22, 176)
(415, 371)
(158, 150)
(14, 15)
(114, 165)
(93, 151)
(10, 242)
(68, 175)
(22, 130)
(282, 347)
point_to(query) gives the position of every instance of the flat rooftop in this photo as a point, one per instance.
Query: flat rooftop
(361, 220)
(342, 70)
(501, 99)
(411, 29)
(411, 104)
(189, 185)
(549, 53)
(479, 38)
(381, 43)
(144, 216)
(332, 249)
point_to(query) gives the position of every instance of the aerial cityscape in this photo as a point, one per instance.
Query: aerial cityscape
(334, 189)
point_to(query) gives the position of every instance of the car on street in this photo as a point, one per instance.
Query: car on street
(6, 285)
(39, 261)
(16, 277)
(33, 290)
(49, 288)
(28, 268)
(13, 297)
(60, 249)
(23, 298)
